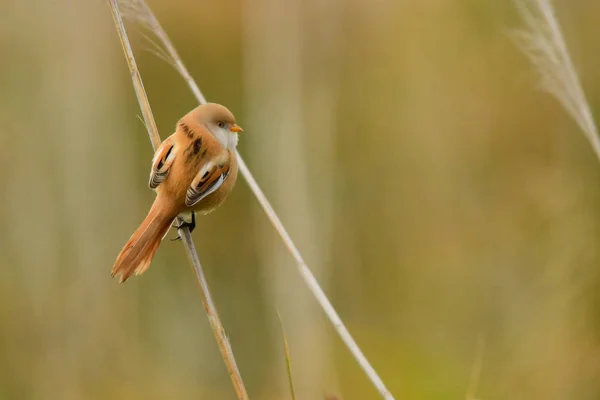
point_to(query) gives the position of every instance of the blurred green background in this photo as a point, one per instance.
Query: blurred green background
(449, 208)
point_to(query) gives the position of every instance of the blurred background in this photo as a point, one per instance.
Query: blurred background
(448, 207)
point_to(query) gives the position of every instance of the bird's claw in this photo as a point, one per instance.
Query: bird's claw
(190, 225)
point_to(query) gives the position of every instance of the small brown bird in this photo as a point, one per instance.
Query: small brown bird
(193, 170)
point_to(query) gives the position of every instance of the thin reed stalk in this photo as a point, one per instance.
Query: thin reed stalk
(138, 11)
(211, 311)
(543, 42)
(288, 358)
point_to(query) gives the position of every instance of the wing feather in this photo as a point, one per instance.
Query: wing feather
(210, 177)
(161, 164)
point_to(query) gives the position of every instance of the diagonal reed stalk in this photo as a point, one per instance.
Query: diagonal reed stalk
(211, 311)
(543, 42)
(139, 12)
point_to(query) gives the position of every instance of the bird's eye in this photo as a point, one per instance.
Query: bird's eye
(220, 124)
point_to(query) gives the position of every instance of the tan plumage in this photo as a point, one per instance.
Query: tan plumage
(193, 170)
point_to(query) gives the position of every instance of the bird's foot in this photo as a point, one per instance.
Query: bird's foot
(190, 225)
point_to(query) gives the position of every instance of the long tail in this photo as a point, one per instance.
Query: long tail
(138, 252)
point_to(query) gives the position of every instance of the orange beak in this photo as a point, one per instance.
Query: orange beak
(236, 128)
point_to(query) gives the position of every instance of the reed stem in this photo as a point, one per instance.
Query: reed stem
(139, 11)
(209, 306)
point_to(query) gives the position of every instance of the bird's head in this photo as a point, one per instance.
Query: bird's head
(219, 121)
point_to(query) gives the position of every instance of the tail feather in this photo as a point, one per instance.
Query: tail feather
(137, 254)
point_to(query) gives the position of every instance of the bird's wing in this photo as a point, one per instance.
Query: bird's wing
(161, 163)
(210, 177)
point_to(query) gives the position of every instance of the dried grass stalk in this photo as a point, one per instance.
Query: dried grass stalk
(211, 311)
(543, 42)
(139, 12)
